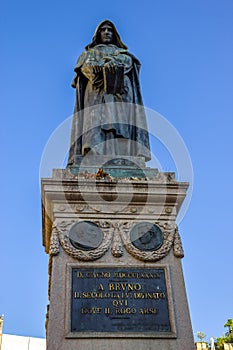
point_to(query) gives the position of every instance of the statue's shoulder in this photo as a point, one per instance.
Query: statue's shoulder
(82, 58)
(119, 50)
(134, 58)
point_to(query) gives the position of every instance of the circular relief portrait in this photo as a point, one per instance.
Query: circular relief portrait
(85, 235)
(146, 236)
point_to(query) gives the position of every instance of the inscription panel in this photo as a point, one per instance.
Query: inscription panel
(120, 300)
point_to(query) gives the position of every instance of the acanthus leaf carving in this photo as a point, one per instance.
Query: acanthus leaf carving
(54, 242)
(116, 233)
(117, 244)
(63, 228)
(151, 256)
(178, 248)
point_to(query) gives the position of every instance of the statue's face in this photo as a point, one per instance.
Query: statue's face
(106, 34)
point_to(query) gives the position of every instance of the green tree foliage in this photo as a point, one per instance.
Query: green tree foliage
(229, 325)
(227, 338)
(201, 335)
(220, 343)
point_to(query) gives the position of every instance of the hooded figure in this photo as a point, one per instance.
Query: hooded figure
(109, 118)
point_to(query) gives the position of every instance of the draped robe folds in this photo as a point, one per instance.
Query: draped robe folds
(108, 123)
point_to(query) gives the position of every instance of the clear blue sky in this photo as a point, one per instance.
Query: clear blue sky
(186, 51)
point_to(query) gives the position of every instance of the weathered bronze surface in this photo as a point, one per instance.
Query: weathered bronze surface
(109, 118)
(146, 236)
(119, 300)
(85, 235)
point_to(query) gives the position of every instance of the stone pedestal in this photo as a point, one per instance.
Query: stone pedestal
(115, 274)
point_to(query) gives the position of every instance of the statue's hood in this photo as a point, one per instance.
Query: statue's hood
(117, 40)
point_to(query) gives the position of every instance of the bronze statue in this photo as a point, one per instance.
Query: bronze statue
(109, 118)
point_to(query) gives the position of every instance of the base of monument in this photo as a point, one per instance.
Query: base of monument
(116, 279)
(115, 166)
(62, 312)
(101, 160)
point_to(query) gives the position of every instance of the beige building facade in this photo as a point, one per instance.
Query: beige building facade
(13, 342)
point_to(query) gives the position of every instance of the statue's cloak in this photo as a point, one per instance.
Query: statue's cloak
(123, 115)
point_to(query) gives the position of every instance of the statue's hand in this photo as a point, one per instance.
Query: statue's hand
(97, 69)
(94, 68)
(110, 66)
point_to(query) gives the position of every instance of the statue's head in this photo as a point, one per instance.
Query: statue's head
(106, 33)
